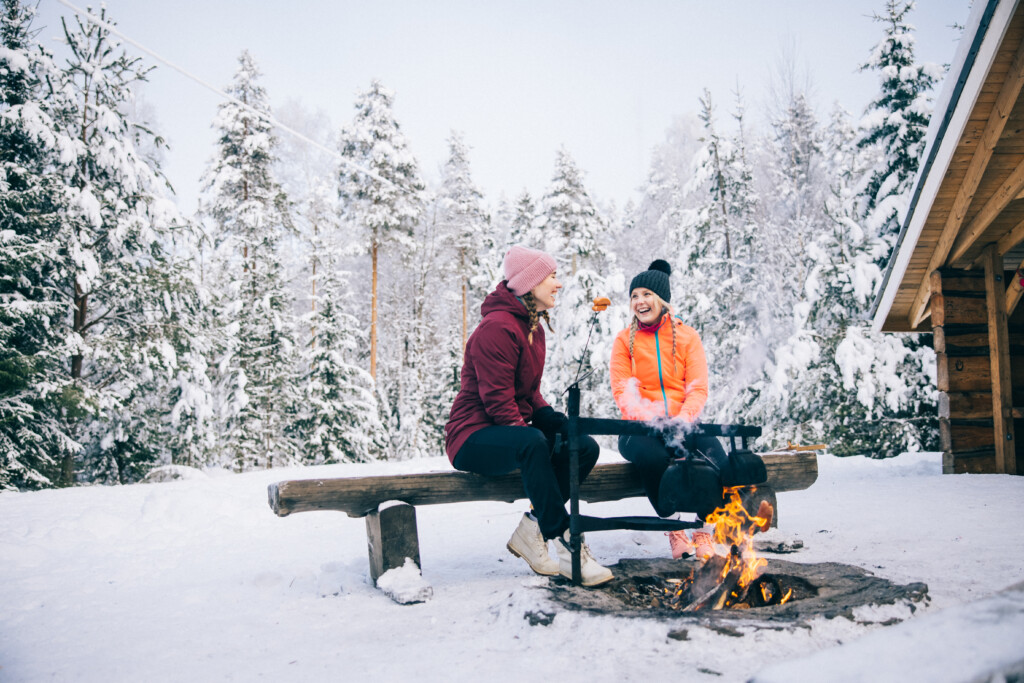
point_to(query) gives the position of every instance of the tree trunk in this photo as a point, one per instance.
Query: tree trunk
(373, 312)
(81, 311)
(725, 214)
(81, 298)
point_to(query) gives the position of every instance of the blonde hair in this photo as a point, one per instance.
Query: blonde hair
(634, 325)
(531, 307)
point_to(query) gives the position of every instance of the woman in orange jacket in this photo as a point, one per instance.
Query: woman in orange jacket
(659, 374)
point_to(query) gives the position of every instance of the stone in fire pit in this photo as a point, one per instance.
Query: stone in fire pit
(819, 590)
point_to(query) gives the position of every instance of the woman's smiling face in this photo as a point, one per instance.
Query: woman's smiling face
(646, 305)
(544, 293)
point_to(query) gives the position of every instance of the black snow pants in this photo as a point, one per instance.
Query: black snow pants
(497, 450)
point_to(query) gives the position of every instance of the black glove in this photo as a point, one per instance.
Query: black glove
(549, 420)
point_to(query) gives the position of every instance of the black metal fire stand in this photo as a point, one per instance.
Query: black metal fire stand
(578, 524)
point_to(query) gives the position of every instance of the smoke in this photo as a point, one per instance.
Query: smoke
(674, 429)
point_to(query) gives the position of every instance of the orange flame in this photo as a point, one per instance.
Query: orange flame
(735, 529)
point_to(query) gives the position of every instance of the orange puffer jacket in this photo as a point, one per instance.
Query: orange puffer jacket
(647, 386)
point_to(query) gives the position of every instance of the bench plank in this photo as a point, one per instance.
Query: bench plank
(359, 496)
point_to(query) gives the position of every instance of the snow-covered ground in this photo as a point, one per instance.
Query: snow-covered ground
(198, 580)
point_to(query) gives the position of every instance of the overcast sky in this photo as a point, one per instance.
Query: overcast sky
(518, 79)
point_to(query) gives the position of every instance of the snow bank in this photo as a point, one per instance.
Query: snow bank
(197, 579)
(978, 641)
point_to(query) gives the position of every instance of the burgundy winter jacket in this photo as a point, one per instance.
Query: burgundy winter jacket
(500, 373)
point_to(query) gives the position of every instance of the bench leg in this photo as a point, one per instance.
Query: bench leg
(391, 537)
(395, 553)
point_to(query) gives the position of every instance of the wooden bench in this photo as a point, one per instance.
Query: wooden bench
(388, 502)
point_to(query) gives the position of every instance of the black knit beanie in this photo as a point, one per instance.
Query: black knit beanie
(655, 278)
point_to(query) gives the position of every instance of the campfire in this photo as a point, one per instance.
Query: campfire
(736, 584)
(731, 578)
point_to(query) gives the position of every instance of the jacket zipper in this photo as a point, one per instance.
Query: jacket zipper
(661, 380)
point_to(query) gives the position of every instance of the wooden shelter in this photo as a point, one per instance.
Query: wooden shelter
(958, 264)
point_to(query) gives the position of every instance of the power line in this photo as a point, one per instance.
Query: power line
(263, 115)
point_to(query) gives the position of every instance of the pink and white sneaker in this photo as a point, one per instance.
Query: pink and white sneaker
(704, 545)
(680, 544)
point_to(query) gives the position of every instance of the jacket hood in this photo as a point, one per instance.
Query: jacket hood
(501, 299)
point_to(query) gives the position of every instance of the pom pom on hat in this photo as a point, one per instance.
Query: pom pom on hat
(663, 266)
(655, 278)
(526, 268)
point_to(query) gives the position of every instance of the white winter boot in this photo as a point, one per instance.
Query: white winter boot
(528, 543)
(591, 572)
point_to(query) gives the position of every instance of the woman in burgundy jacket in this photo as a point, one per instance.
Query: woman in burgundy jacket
(499, 421)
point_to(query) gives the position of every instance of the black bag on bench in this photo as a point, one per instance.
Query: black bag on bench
(744, 468)
(689, 485)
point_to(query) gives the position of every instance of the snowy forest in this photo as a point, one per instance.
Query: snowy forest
(314, 310)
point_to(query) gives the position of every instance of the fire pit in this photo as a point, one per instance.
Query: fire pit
(649, 588)
(711, 586)
(736, 582)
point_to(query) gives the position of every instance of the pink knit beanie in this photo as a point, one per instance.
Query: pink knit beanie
(526, 268)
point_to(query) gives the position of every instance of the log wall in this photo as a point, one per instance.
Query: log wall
(964, 375)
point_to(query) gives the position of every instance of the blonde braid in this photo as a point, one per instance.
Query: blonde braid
(632, 338)
(531, 309)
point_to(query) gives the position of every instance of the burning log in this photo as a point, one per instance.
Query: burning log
(725, 581)
(721, 581)
(717, 579)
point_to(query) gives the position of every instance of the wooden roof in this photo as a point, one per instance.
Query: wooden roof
(969, 195)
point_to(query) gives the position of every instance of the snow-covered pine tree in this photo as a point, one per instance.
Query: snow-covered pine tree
(300, 169)
(627, 252)
(895, 123)
(665, 209)
(649, 227)
(891, 376)
(834, 380)
(425, 305)
(720, 241)
(524, 229)
(715, 254)
(792, 217)
(34, 385)
(569, 219)
(117, 236)
(576, 235)
(792, 399)
(185, 406)
(380, 186)
(503, 214)
(340, 417)
(258, 364)
(797, 178)
(465, 227)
